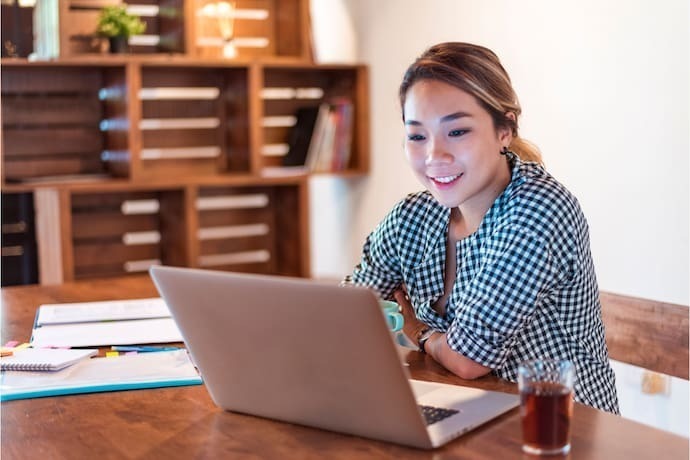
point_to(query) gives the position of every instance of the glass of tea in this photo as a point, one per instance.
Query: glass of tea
(546, 405)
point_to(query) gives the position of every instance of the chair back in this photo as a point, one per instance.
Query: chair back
(647, 333)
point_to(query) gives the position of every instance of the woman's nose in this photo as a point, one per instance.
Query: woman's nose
(437, 153)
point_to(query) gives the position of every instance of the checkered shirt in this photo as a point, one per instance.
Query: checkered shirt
(525, 287)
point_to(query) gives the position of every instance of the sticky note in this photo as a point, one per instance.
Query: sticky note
(12, 343)
(22, 346)
(111, 354)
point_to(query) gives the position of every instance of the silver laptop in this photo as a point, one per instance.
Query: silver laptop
(314, 354)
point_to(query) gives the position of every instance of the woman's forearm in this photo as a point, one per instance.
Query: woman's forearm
(437, 347)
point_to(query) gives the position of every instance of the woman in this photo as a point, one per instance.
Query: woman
(491, 263)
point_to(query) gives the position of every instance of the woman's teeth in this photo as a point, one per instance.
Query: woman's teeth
(445, 179)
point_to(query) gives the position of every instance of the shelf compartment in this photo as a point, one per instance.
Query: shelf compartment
(252, 229)
(194, 121)
(51, 120)
(259, 28)
(120, 233)
(288, 89)
(165, 26)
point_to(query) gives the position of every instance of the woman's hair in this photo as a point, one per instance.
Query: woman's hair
(477, 71)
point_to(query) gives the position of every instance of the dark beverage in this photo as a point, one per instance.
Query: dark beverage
(546, 409)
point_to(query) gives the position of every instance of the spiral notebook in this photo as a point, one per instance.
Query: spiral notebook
(43, 359)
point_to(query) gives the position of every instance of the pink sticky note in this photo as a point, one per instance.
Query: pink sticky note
(12, 343)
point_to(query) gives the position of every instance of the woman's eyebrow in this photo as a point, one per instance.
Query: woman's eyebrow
(454, 116)
(444, 119)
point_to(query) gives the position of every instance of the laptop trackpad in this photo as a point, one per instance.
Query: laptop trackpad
(420, 388)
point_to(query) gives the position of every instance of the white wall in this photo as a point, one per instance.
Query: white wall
(604, 87)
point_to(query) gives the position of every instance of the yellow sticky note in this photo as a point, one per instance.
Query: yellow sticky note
(112, 354)
(23, 345)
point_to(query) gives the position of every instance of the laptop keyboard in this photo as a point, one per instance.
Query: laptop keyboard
(436, 414)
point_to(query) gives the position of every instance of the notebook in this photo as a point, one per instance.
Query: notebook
(43, 359)
(314, 354)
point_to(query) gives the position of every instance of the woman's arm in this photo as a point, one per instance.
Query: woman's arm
(437, 345)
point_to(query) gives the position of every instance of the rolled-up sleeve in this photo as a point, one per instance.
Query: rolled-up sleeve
(379, 267)
(516, 270)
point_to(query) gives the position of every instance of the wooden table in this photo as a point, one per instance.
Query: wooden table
(184, 423)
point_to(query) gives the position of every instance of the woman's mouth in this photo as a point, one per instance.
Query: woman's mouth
(445, 180)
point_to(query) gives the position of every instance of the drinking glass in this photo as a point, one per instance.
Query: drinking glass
(546, 405)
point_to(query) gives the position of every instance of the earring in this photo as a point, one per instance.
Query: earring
(504, 150)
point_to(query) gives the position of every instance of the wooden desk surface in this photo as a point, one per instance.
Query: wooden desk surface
(184, 423)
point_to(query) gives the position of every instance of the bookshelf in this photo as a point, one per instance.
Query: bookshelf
(168, 157)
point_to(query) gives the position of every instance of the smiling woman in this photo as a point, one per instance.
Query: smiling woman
(491, 263)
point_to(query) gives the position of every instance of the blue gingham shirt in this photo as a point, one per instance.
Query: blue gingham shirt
(525, 286)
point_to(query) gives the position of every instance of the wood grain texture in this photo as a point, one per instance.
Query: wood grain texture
(184, 423)
(647, 333)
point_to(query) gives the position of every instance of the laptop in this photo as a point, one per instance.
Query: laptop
(314, 354)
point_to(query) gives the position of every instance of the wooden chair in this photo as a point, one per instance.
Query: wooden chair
(647, 333)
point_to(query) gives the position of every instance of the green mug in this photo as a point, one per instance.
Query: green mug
(392, 312)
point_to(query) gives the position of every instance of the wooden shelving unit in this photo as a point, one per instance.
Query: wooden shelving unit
(130, 160)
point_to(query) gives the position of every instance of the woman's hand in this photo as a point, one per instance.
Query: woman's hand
(412, 326)
(437, 346)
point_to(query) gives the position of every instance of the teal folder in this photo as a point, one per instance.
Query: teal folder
(125, 372)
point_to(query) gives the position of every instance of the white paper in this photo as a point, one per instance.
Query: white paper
(129, 332)
(110, 310)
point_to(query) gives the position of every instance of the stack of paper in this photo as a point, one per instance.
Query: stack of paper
(121, 322)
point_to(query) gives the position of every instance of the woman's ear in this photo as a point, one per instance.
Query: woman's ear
(508, 130)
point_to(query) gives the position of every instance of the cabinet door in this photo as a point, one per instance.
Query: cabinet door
(19, 263)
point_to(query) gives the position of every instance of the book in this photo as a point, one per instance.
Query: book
(326, 150)
(331, 139)
(317, 137)
(43, 359)
(300, 136)
(125, 372)
(343, 141)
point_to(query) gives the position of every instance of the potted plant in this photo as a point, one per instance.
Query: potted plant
(115, 23)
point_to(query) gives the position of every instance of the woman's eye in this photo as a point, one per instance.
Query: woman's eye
(457, 132)
(415, 137)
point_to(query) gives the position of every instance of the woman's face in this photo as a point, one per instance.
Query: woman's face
(453, 147)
